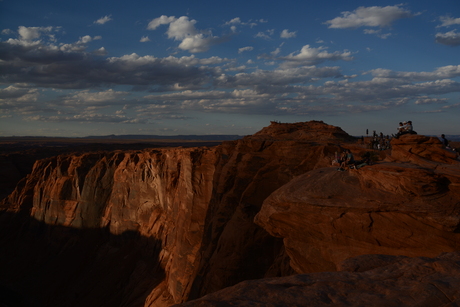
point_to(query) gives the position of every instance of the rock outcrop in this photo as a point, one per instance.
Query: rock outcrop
(157, 227)
(394, 208)
(373, 280)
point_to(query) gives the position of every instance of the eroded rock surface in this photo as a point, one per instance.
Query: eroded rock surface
(396, 208)
(164, 226)
(389, 281)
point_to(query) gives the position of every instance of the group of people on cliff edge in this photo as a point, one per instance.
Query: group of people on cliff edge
(405, 128)
(345, 159)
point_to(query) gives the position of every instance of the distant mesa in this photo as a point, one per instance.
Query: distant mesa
(303, 131)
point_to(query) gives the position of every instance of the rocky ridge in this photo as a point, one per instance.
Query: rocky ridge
(172, 225)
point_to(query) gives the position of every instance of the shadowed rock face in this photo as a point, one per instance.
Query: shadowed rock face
(372, 280)
(194, 209)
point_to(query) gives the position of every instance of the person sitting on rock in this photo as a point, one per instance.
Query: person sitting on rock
(348, 161)
(405, 129)
(409, 128)
(400, 129)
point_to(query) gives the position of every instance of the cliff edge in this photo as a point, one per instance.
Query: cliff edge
(157, 227)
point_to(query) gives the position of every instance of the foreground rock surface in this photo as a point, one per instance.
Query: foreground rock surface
(373, 280)
(158, 227)
(325, 216)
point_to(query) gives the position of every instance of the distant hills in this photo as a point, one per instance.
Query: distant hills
(217, 137)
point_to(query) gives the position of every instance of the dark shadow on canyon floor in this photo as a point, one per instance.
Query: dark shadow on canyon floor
(43, 265)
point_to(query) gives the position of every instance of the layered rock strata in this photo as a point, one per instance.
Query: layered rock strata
(159, 227)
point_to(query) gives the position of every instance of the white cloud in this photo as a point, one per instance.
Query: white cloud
(104, 19)
(101, 51)
(144, 39)
(80, 45)
(429, 100)
(87, 116)
(86, 39)
(86, 97)
(183, 29)
(444, 72)
(311, 56)
(278, 77)
(7, 32)
(162, 20)
(377, 33)
(266, 35)
(233, 23)
(248, 48)
(197, 43)
(449, 21)
(31, 33)
(451, 38)
(286, 34)
(373, 16)
(17, 94)
(276, 51)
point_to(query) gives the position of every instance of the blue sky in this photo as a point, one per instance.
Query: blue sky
(83, 68)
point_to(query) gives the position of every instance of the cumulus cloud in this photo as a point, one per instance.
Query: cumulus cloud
(144, 39)
(448, 21)
(451, 38)
(311, 56)
(35, 67)
(183, 29)
(373, 16)
(266, 34)
(28, 34)
(286, 34)
(103, 20)
(162, 20)
(100, 52)
(248, 48)
(235, 22)
(51, 65)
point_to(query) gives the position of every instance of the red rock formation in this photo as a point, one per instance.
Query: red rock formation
(373, 280)
(198, 203)
(191, 212)
(394, 208)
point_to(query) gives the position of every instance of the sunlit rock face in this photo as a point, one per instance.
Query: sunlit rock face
(161, 196)
(164, 226)
(396, 207)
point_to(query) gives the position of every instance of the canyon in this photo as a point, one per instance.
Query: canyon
(219, 225)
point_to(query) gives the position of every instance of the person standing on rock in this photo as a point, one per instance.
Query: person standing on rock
(444, 141)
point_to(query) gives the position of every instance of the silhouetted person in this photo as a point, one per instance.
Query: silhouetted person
(444, 141)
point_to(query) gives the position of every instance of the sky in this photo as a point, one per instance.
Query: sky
(80, 68)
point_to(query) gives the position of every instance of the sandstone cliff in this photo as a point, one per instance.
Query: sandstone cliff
(158, 227)
(325, 216)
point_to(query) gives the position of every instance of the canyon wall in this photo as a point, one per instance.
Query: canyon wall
(164, 226)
